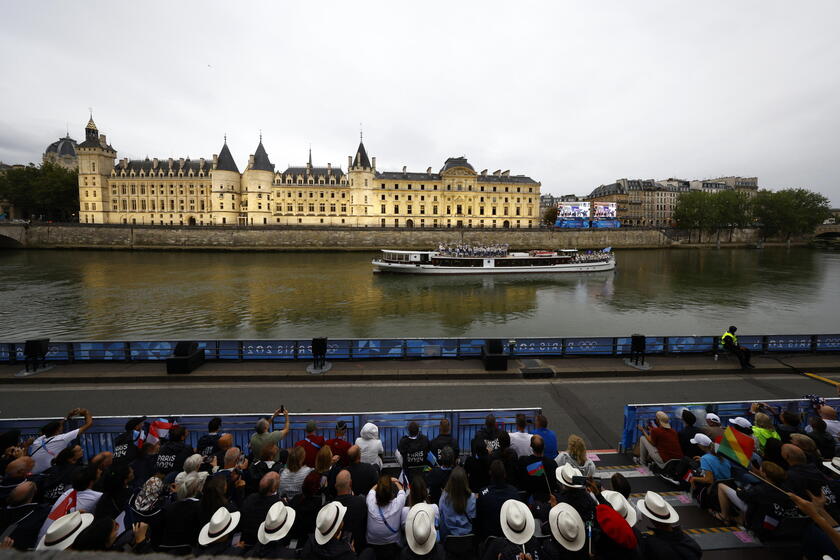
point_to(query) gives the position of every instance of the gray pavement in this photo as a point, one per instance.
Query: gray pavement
(591, 407)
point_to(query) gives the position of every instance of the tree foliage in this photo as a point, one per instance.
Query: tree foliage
(47, 192)
(790, 212)
(549, 217)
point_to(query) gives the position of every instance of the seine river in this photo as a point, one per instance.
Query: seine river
(99, 295)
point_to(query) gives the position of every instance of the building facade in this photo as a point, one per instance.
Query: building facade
(642, 202)
(212, 191)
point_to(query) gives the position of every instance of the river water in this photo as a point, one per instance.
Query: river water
(104, 295)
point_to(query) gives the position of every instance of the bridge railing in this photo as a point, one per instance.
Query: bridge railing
(636, 415)
(398, 348)
(392, 426)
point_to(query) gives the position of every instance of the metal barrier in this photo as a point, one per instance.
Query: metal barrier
(392, 426)
(636, 415)
(400, 348)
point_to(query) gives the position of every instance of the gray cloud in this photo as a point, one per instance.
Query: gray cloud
(573, 94)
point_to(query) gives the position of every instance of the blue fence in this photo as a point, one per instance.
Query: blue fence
(392, 426)
(636, 415)
(397, 348)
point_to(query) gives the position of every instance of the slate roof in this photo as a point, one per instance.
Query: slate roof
(361, 159)
(261, 161)
(146, 165)
(225, 161)
(456, 162)
(337, 172)
(63, 147)
(413, 176)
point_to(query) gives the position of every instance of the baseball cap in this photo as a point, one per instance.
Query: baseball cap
(701, 439)
(713, 417)
(741, 421)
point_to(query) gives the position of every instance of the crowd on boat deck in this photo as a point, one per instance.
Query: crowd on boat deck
(591, 256)
(465, 250)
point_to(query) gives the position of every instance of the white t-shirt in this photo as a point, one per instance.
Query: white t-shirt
(370, 450)
(521, 443)
(85, 502)
(44, 449)
(377, 530)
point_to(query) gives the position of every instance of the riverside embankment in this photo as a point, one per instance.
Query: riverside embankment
(267, 238)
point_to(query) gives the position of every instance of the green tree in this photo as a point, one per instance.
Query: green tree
(695, 210)
(48, 191)
(790, 212)
(732, 210)
(549, 216)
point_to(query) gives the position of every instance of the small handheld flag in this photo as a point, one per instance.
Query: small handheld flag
(536, 469)
(737, 446)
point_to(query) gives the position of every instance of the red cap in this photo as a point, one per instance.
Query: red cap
(615, 527)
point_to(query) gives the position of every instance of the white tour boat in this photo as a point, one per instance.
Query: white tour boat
(478, 260)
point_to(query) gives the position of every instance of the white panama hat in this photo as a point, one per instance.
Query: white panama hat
(222, 523)
(565, 473)
(64, 531)
(655, 508)
(278, 522)
(517, 522)
(420, 531)
(328, 521)
(620, 504)
(833, 465)
(567, 527)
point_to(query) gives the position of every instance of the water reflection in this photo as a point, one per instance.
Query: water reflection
(116, 295)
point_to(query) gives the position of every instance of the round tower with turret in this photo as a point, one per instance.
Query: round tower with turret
(256, 187)
(361, 178)
(226, 198)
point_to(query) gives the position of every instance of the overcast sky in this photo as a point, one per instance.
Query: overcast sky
(573, 94)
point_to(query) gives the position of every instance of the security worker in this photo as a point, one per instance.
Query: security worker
(730, 342)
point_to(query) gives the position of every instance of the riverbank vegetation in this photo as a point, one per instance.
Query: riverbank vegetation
(46, 192)
(785, 213)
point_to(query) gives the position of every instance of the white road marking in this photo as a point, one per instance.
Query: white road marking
(279, 384)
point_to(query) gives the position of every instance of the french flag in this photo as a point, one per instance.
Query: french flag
(770, 523)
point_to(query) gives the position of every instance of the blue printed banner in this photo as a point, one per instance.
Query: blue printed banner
(151, 350)
(378, 348)
(828, 342)
(269, 349)
(589, 346)
(687, 344)
(788, 343)
(99, 350)
(653, 345)
(538, 346)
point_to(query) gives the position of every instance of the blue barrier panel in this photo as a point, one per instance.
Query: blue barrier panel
(828, 342)
(752, 343)
(653, 345)
(539, 346)
(268, 349)
(99, 351)
(440, 347)
(690, 344)
(5, 354)
(586, 346)
(58, 351)
(151, 350)
(382, 348)
(210, 349)
(228, 350)
(788, 343)
(471, 347)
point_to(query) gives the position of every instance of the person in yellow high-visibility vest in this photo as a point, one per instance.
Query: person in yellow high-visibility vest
(730, 342)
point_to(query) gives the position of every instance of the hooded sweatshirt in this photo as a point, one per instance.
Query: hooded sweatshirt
(370, 445)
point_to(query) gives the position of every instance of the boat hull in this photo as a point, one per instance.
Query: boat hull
(415, 268)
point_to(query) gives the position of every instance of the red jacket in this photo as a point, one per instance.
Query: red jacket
(312, 444)
(339, 447)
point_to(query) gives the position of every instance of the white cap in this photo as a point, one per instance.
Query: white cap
(713, 417)
(741, 421)
(701, 439)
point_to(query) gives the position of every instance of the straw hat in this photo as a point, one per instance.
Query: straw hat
(567, 527)
(620, 504)
(222, 523)
(517, 522)
(329, 521)
(655, 508)
(278, 522)
(833, 465)
(565, 473)
(420, 529)
(64, 531)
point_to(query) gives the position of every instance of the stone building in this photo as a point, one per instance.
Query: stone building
(642, 202)
(62, 152)
(213, 191)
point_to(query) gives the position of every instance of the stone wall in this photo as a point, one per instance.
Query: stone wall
(83, 236)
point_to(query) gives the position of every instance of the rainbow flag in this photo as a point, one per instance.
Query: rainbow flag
(736, 446)
(536, 469)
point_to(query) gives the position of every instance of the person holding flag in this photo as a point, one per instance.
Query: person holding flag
(536, 470)
(128, 443)
(713, 468)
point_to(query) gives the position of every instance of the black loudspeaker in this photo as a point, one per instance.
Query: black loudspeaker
(319, 351)
(637, 348)
(185, 348)
(495, 346)
(35, 352)
(186, 356)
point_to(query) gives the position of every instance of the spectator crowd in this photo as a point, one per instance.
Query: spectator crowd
(503, 495)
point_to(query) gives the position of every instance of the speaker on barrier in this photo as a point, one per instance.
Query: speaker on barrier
(186, 356)
(493, 355)
(319, 356)
(638, 342)
(35, 352)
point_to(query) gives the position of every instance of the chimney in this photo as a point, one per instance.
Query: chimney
(484, 173)
(155, 163)
(403, 169)
(429, 170)
(373, 163)
(497, 172)
(171, 161)
(250, 161)
(181, 162)
(201, 163)
(329, 167)
(102, 140)
(349, 162)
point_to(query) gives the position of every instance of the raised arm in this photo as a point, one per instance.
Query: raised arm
(284, 432)
(88, 420)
